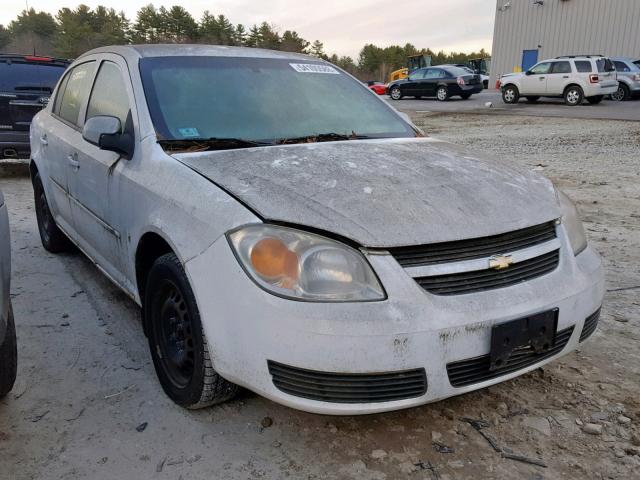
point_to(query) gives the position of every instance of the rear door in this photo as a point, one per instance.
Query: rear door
(25, 88)
(431, 79)
(58, 133)
(95, 183)
(558, 77)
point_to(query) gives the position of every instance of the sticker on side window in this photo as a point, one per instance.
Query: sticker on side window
(189, 132)
(313, 68)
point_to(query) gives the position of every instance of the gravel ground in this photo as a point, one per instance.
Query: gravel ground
(87, 405)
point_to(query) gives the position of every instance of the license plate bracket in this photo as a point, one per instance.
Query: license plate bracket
(536, 331)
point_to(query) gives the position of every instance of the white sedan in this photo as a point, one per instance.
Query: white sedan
(286, 231)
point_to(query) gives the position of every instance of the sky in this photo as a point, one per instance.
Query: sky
(344, 26)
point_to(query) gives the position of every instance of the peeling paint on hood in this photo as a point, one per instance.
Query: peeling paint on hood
(382, 193)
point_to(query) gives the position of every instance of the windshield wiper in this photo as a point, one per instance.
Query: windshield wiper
(321, 137)
(206, 144)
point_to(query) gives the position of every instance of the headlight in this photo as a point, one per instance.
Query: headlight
(572, 224)
(300, 265)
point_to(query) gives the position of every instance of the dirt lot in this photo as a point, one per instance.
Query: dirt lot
(87, 404)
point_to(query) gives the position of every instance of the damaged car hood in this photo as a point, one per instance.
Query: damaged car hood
(381, 193)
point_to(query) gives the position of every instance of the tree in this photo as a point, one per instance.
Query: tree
(146, 29)
(5, 37)
(317, 49)
(240, 37)
(30, 21)
(177, 25)
(254, 38)
(292, 42)
(268, 37)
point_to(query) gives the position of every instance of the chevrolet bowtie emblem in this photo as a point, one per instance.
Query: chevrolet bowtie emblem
(500, 262)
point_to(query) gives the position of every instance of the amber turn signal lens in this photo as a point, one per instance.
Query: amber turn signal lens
(272, 259)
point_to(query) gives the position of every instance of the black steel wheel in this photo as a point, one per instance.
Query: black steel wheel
(177, 341)
(53, 240)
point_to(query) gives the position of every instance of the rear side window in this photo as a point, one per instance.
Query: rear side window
(16, 76)
(561, 67)
(109, 95)
(605, 65)
(75, 92)
(583, 66)
(621, 66)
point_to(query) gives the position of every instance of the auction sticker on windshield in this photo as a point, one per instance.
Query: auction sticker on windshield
(313, 68)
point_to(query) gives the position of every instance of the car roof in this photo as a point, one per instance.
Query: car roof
(173, 50)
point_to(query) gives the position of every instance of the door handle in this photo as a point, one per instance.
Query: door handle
(43, 140)
(566, 76)
(73, 161)
(542, 78)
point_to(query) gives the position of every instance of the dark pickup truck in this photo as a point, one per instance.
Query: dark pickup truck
(26, 83)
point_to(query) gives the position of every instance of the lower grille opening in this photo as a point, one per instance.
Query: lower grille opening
(590, 325)
(348, 387)
(476, 370)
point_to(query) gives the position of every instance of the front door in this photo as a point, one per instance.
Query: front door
(412, 85)
(535, 81)
(95, 183)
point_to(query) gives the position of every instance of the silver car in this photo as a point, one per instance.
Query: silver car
(628, 77)
(8, 350)
(286, 230)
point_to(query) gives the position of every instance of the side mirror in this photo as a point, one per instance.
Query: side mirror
(105, 132)
(527, 73)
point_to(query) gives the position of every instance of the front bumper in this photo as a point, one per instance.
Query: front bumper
(246, 327)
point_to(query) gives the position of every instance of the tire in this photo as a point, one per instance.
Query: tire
(466, 96)
(442, 93)
(595, 100)
(622, 94)
(177, 341)
(53, 240)
(395, 93)
(533, 99)
(573, 96)
(510, 94)
(8, 357)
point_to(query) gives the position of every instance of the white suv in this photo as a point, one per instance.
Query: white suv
(573, 78)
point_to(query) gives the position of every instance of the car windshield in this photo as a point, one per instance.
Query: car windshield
(261, 100)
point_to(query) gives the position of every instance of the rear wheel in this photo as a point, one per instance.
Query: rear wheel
(510, 94)
(395, 93)
(534, 99)
(622, 94)
(595, 100)
(442, 94)
(573, 96)
(8, 357)
(177, 341)
(53, 240)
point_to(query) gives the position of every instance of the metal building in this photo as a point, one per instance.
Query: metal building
(528, 31)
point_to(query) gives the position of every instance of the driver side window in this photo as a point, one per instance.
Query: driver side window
(109, 95)
(541, 68)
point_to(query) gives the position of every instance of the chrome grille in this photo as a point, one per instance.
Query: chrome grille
(468, 249)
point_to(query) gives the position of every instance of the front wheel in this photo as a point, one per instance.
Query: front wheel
(177, 341)
(395, 93)
(573, 96)
(595, 100)
(442, 94)
(510, 94)
(8, 357)
(622, 94)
